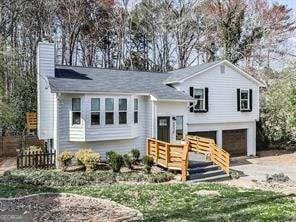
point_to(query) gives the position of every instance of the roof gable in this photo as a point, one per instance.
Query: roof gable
(197, 70)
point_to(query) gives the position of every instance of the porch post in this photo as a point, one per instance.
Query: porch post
(219, 138)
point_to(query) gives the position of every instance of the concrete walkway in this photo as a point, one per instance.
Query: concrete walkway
(8, 164)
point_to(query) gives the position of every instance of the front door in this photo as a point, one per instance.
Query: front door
(163, 128)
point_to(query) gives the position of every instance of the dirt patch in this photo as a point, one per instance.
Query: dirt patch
(207, 193)
(246, 183)
(7, 164)
(68, 207)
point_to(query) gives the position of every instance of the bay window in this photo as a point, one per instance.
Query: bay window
(95, 111)
(136, 110)
(122, 111)
(109, 111)
(76, 111)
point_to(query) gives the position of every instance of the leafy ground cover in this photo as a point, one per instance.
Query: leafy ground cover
(178, 201)
(53, 178)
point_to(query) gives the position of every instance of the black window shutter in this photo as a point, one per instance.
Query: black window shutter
(191, 109)
(251, 99)
(207, 99)
(238, 99)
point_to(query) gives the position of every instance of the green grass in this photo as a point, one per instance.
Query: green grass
(181, 202)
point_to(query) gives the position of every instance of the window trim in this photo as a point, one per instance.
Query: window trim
(72, 112)
(136, 110)
(96, 111)
(109, 111)
(241, 99)
(122, 111)
(204, 99)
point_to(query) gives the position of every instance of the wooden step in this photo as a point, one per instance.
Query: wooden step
(196, 164)
(206, 174)
(210, 179)
(202, 169)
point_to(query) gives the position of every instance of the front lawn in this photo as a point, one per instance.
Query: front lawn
(179, 201)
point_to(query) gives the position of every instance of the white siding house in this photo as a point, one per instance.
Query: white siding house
(106, 109)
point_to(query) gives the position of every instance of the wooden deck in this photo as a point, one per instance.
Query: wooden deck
(175, 156)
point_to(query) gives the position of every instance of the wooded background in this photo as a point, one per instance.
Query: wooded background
(149, 35)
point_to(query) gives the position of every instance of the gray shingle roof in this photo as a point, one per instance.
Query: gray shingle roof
(80, 79)
(180, 74)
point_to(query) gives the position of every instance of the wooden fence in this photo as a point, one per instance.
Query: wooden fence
(36, 159)
(9, 144)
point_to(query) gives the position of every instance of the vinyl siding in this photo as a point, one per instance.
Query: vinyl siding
(222, 96)
(172, 109)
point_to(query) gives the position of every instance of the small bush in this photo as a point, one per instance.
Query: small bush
(54, 178)
(109, 156)
(65, 158)
(128, 162)
(148, 163)
(234, 174)
(277, 178)
(88, 159)
(116, 162)
(135, 155)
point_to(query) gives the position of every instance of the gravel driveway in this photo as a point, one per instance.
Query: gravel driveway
(256, 169)
(268, 162)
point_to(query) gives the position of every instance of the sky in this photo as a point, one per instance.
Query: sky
(290, 3)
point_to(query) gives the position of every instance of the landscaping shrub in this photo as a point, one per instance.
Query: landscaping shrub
(116, 161)
(128, 162)
(65, 158)
(148, 162)
(135, 155)
(88, 159)
(109, 155)
(234, 174)
(277, 178)
(55, 178)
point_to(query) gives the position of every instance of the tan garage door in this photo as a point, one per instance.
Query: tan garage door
(235, 142)
(207, 134)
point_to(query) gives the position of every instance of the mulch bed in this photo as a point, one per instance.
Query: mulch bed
(67, 207)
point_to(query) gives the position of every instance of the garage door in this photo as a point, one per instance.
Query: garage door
(235, 142)
(207, 134)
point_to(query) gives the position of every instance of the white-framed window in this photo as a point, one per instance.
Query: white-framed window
(109, 111)
(199, 95)
(95, 111)
(179, 127)
(122, 108)
(244, 99)
(76, 111)
(136, 111)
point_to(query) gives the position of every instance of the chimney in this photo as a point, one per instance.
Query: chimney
(45, 59)
(45, 100)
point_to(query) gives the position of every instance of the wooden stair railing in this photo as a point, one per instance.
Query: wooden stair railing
(175, 156)
(171, 156)
(209, 148)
